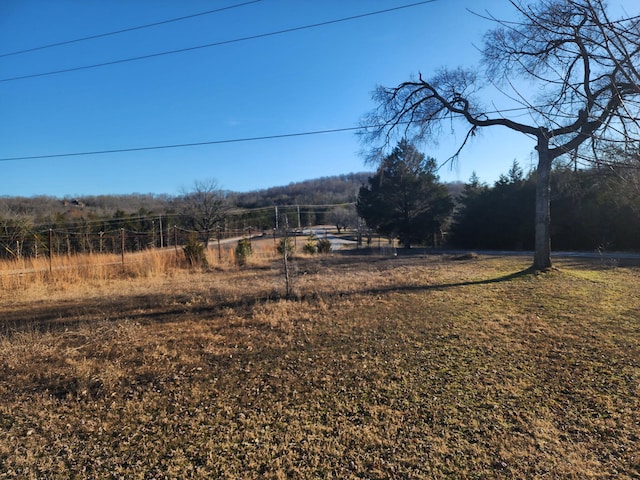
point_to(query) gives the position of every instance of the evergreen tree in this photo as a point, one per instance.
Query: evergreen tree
(471, 216)
(404, 198)
(596, 209)
(496, 218)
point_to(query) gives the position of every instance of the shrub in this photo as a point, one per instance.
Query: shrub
(195, 252)
(311, 246)
(243, 251)
(286, 245)
(324, 245)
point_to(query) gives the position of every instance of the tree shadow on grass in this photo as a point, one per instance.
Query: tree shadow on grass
(160, 308)
(445, 286)
(152, 308)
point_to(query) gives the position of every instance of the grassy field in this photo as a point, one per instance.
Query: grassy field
(407, 367)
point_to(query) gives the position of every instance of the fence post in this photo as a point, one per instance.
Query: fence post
(219, 249)
(175, 238)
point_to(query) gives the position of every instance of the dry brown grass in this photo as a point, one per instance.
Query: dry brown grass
(413, 367)
(87, 274)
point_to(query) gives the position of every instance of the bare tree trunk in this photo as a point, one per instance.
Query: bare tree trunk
(285, 259)
(542, 255)
(287, 274)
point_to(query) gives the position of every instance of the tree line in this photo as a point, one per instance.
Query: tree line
(108, 223)
(592, 209)
(595, 208)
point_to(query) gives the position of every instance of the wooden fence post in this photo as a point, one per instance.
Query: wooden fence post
(175, 238)
(219, 249)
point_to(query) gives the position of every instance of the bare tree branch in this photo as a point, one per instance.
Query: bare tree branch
(586, 64)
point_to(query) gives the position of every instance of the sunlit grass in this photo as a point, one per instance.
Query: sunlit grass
(24, 277)
(418, 367)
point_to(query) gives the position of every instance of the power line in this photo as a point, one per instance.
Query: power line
(70, 227)
(181, 145)
(124, 30)
(217, 142)
(216, 44)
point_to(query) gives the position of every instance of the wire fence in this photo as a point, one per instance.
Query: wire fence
(55, 242)
(19, 239)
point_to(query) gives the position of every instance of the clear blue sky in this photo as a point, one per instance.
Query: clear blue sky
(307, 80)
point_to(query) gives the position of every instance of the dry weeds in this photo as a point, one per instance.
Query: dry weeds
(409, 367)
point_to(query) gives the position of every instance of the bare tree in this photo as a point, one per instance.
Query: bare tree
(204, 207)
(583, 62)
(14, 231)
(344, 216)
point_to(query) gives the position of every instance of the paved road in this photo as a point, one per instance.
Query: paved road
(604, 256)
(564, 254)
(336, 242)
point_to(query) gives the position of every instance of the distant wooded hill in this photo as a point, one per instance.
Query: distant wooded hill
(593, 209)
(320, 191)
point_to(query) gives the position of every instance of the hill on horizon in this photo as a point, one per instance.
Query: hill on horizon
(330, 190)
(321, 191)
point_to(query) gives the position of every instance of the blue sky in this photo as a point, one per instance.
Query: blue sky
(303, 81)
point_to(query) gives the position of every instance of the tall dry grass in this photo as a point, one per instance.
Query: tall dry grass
(24, 276)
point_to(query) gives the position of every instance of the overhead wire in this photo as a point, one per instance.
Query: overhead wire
(125, 30)
(218, 142)
(210, 142)
(216, 44)
(181, 145)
